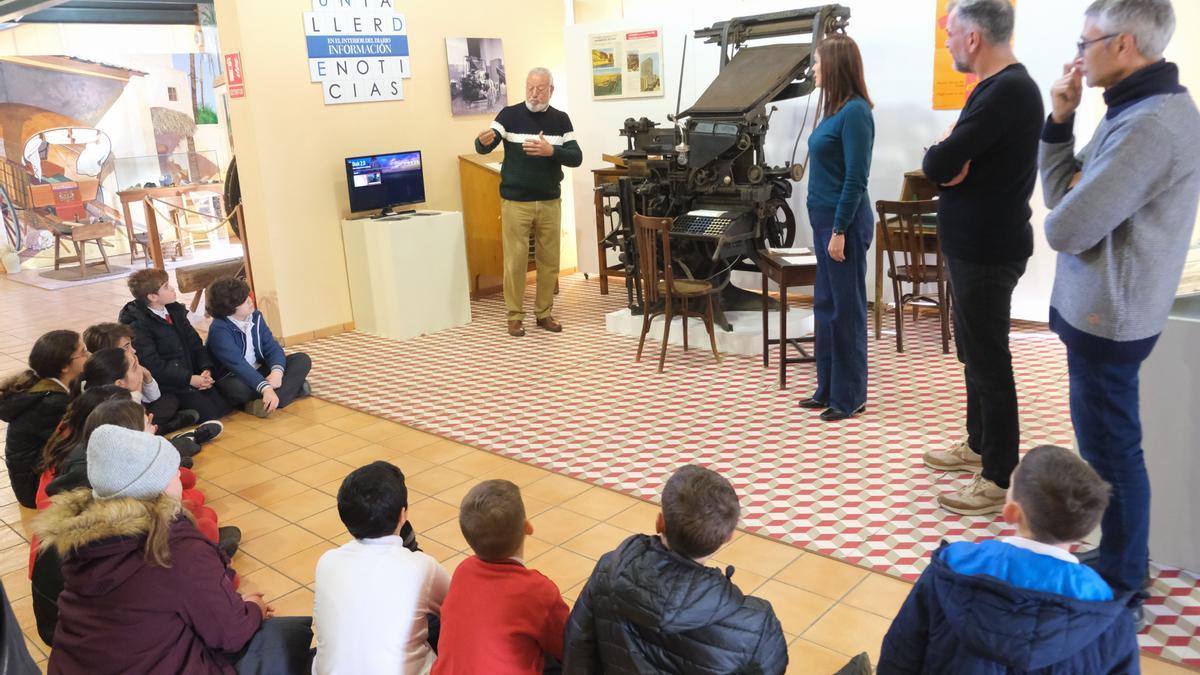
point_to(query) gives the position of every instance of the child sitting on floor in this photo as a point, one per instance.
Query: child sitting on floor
(32, 403)
(115, 366)
(143, 590)
(374, 595)
(653, 606)
(1023, 603)
(65, 468)
(500, 616)
(168, 416)
(252, 369)
(168, 345)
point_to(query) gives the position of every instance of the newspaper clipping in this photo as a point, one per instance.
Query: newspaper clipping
(627, 64)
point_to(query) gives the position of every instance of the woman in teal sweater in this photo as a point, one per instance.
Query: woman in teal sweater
(842, 221)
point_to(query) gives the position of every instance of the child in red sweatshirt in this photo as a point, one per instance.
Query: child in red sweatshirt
(499, 616)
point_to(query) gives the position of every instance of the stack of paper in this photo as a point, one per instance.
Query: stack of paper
(800, 259)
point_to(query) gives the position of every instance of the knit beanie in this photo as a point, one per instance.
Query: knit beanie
(126, 463)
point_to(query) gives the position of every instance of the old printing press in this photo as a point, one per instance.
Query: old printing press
(709, 171)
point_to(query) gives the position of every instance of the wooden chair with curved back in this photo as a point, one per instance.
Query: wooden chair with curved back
(661, 289)
(915, 257)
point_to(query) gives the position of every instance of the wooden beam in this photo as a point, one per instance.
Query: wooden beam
(152, 240)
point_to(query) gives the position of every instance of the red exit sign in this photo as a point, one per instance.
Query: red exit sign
(234, 77)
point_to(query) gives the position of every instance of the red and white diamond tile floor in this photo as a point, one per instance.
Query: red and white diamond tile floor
(577, 403)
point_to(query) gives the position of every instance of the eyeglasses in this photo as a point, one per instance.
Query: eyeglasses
(1082, 45)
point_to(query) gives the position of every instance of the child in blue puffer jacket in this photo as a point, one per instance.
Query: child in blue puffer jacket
(1021, 604)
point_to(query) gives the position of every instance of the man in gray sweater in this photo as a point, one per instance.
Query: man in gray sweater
(1123, 210)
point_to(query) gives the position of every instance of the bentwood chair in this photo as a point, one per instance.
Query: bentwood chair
(662, 291)
(915, 258)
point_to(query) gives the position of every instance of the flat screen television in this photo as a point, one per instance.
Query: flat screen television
(381, 182)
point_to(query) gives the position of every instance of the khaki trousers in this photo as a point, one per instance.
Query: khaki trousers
(517, 220)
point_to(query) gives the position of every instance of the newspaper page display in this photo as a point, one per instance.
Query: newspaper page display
(627, 64)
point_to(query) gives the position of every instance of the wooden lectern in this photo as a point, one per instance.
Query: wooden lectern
(480, 179)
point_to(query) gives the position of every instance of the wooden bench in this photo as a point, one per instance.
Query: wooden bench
(196, 278)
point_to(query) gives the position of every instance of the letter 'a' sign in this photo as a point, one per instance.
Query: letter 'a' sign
(357, 50)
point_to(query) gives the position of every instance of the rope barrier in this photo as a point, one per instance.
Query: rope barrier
(193, 230)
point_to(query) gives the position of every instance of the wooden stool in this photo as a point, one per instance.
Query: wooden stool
(776, 267)
(79, 235)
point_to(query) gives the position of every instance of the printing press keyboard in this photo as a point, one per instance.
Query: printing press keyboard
(701, 225)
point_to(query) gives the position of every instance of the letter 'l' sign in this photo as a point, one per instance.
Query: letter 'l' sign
(357, 50)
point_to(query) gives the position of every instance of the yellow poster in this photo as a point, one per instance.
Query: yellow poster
(950, 87)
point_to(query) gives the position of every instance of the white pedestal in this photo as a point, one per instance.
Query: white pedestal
(408, 274)
(746, 338)
(1170, 397)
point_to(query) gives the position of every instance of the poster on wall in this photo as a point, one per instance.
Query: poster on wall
(950, 87)
(357, 50)
(477, 81)
(627, 64)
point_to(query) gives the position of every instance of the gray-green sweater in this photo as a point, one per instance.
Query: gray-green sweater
(525, 178)
(1123, 232)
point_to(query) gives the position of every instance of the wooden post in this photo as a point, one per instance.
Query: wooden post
(153, 243)
(238, 216)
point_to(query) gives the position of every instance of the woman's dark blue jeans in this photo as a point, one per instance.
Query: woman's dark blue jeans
(840, 310)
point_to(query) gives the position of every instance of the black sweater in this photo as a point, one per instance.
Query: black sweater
(985, 219)
(525, 178)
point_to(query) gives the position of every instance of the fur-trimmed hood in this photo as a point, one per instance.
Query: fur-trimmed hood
(119, 613)
(102, 539)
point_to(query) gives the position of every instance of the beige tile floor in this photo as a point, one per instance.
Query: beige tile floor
(277, 478)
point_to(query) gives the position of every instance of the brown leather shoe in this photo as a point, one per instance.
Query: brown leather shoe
(515, 328)
(550, 324)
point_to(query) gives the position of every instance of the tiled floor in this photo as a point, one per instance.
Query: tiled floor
(577, 404)
(276, 479)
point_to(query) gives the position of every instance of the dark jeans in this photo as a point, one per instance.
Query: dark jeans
(166, 410)
(295, 371)
(14, 657)
(280, 647)
(1104, 411)
(982, 314)
(840, 310)
(208, 403)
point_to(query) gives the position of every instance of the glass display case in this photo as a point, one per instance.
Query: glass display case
(167, 170)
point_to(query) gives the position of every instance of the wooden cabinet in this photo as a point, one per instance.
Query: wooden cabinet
(480, 179)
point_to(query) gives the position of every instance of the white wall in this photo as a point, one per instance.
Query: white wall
(897, 41)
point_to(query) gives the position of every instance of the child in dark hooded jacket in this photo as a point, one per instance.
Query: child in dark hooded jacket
(1021, 604)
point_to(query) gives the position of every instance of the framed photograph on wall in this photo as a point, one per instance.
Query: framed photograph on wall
(477, 80)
